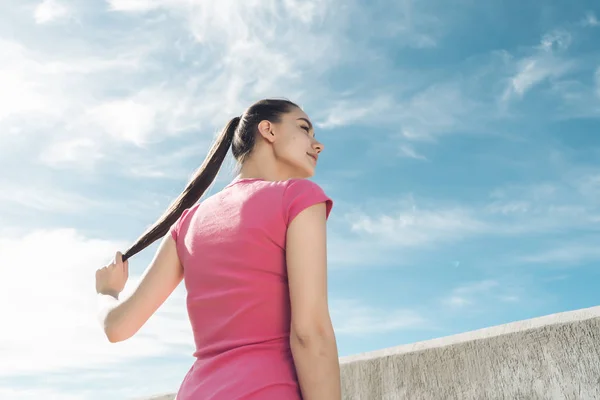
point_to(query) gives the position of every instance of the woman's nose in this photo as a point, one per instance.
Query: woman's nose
(318, 146)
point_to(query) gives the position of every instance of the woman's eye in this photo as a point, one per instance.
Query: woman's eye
(306, 128)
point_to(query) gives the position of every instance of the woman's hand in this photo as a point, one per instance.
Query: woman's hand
(111, 279)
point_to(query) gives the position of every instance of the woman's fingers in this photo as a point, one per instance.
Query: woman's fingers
(112, 278)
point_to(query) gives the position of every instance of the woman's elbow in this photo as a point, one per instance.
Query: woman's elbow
(114, 335)
(115, 332)
(304, 336)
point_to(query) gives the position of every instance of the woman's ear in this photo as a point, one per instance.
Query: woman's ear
(265, 128)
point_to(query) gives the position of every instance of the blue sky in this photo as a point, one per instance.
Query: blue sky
(462, 153)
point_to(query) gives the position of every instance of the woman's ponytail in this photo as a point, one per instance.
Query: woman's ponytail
(200, 181)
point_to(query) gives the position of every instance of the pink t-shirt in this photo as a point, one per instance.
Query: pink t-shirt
(232, 247)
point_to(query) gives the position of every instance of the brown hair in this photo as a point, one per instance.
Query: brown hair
(239, 134)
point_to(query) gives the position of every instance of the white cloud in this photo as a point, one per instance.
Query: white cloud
(533, 71)
(143, 119)
(412, 226)
(386, 228)
(55, 268)
(127, 120)
(236, 53)
(565, 254)
(473, 293)
(228, 19)
(588, 185)
(140, 5)
(35, 394)
(578, 98)
(546, 207)
(49, 11)
(438, 109)
(84, 152)
(173, 165)
(590, 20)
(44, 197)
(545, 64)
(346, 112)
(409, 23)
(58, 96)
(267, 48)
(510, 298)
(457, 301)
(21, 92)
(409, 151)
(235, 60)
(532, 192)
(476, 287)
(509, 207)
(127, 380)
(556, 40)
(37, 85)
(352, 317)
(411, 135)
(254, 57)
(307, 11)
(521, 199)
(46, 202)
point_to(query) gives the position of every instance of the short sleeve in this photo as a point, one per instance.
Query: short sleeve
(176, 227)
(301, 194)
(174, 230)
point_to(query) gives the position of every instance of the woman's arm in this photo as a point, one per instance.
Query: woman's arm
(312, 338)
(122, 319)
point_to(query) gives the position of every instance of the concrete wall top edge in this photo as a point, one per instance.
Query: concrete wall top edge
(485, 333)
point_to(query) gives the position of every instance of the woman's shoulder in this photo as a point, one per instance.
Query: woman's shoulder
(301, 184)
(302, 193)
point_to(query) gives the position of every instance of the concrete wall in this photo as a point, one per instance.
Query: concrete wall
(552, 357)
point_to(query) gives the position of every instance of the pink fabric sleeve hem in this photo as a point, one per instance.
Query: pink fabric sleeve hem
(173, 231)
(176, 227)
(309, 203)
(302, 194)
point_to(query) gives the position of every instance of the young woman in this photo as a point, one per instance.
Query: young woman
(253, 259)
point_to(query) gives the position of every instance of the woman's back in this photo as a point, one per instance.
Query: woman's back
(232, 248)
(248, 255)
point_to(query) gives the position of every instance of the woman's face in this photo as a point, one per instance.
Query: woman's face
(294, 144)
